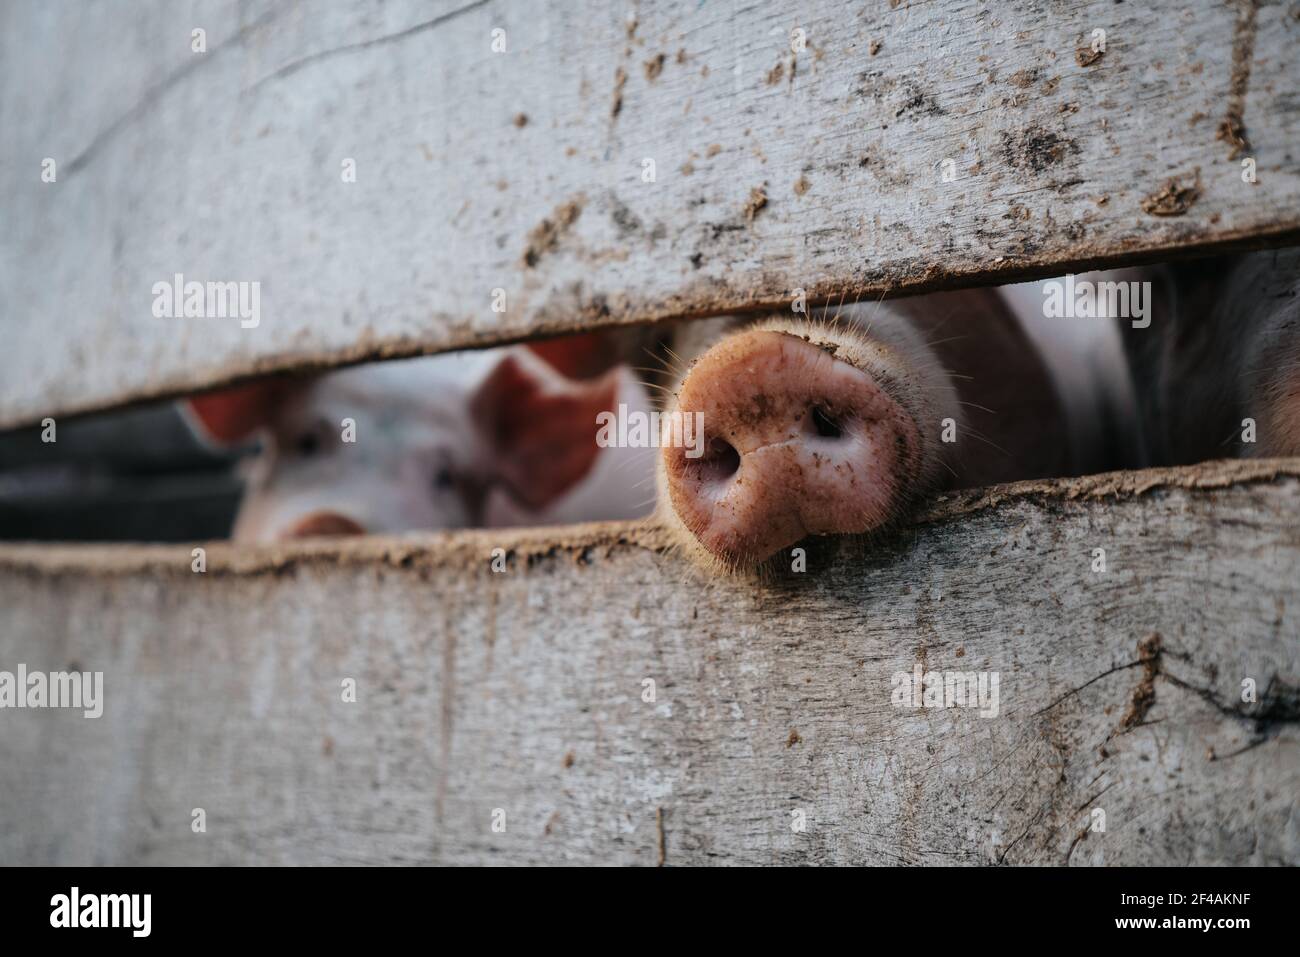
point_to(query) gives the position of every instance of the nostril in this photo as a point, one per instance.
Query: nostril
(825, 425)
(719, 461)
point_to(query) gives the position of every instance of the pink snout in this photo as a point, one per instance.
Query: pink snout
(323, 523)
(797, 443)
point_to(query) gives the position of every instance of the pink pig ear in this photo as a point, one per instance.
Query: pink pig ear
(231, 416)
(583, 356)
(540, 426)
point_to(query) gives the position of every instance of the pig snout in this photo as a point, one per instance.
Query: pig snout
(321, 523)
(796, 442)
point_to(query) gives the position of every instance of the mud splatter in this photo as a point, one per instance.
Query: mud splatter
(1086, 56)
(757, 200)
(1173, 198)
(917, 102)
(654, 67)
(1232, 128)
(1024, 78)
(546, 235)
(1144, 695)
(620, 81)
(624, 219)
(1036, 148)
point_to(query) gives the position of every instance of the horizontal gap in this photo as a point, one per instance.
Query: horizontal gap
(507, 436)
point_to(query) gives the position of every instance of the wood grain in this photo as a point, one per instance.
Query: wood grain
(819, 169)
(523, 691)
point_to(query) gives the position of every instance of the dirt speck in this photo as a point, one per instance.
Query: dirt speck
(1233, 132)
(793, 738)
(626, 221)
(801, 186)
(916, 101)
(1232, 128)
(774, 75)
(1144, 695)
(620, 80)
(654, 66)
(874, 46)
(521, 120)
(569, 759)
(1173, 198)
(757, 200)
(1086, 56)
(1036, 148)
(1024, 78)
(546, 235)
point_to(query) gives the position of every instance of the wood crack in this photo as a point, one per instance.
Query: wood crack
(155, 93)
(293, 67)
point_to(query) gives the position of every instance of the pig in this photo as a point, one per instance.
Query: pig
(1218, 372)
(490, 438)
(841, 423)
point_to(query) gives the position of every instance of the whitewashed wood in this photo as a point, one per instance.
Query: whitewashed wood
(522, 691)
(226, 165)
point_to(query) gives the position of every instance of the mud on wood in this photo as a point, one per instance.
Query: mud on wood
(523, 692)
(783, 161)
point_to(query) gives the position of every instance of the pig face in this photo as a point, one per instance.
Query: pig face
(492, 437)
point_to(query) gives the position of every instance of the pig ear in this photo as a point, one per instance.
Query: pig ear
(230, 416)
(540, 426)
(584, 356)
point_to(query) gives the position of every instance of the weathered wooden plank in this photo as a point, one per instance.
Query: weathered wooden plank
(819, 169)
(522, 691)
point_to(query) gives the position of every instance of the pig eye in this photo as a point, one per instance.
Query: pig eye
(308, 443)
(826, 426)
(311, 441)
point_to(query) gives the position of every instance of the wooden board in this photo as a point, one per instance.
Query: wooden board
(522, 692)
(819, 169)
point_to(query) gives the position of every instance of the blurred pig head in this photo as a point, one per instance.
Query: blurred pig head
(496, 437)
